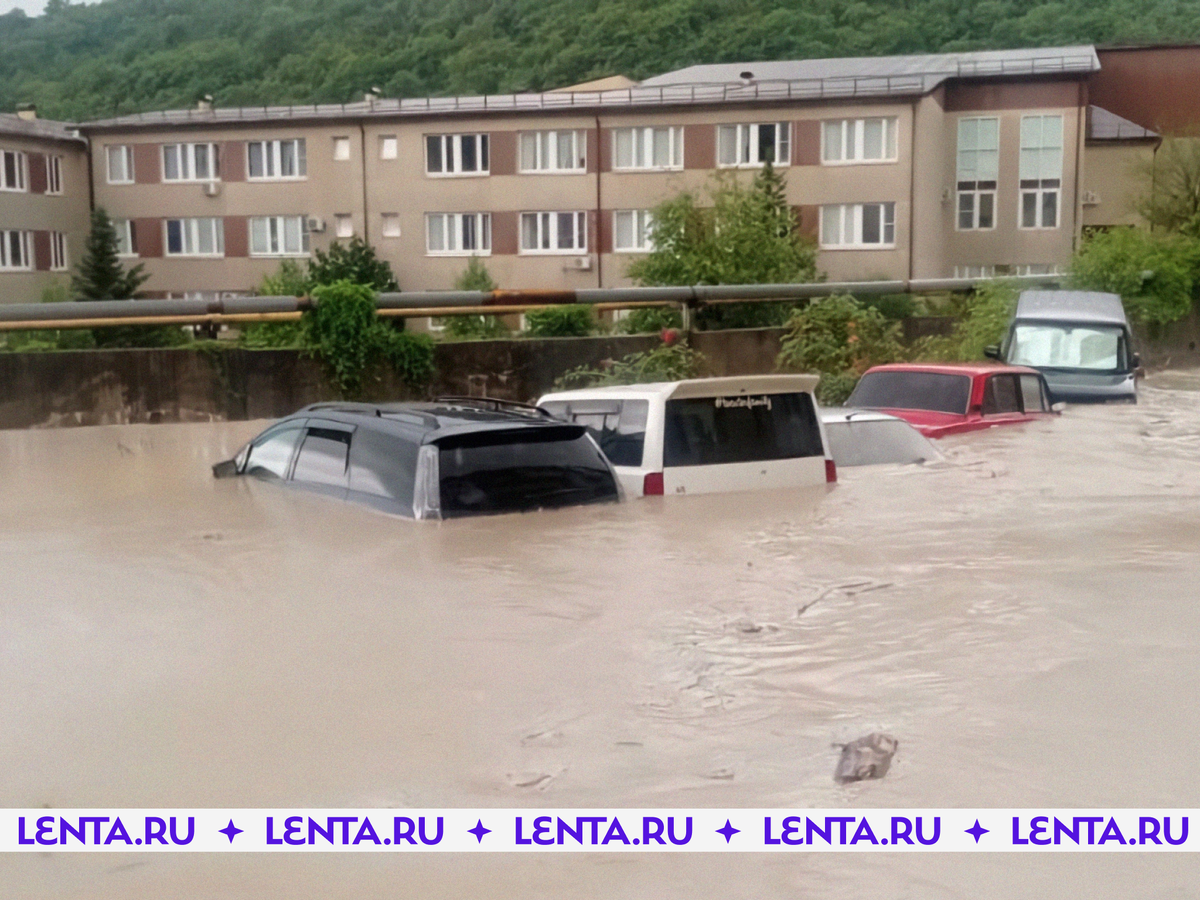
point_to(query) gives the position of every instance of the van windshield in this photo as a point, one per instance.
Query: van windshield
(1098, 348)
(538, 468)
(707, 431)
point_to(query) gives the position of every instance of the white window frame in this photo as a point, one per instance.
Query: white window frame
(545, 146)
(272, 155)
(386, 220)
(850, 137)
(126, 238)
(24, 245)
(190, 231)
(343, 225)
(453, 229)
(855, 212)
(20, 165)
(1040, 172)
(976, 174)
(642, 141)
(273, 230)
(123, 153)
(339, 143)
(745, 138)
(450, 147)
(389, 146)
(58, 252)
(54, 182)
(640, 222)
(546, 233)
(185, 162)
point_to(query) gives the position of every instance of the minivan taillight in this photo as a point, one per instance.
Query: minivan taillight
(652, 486)
(830, 472)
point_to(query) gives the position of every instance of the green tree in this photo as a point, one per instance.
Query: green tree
(289, 280)
(355, 262)
(100, 274)
(475, 277)
(1171, 199)
(1154, 273)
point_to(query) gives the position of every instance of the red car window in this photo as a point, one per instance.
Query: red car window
(1001, 395)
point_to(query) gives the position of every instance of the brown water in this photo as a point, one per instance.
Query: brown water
(1023, 617)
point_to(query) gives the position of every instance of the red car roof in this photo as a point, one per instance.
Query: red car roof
(973, 368)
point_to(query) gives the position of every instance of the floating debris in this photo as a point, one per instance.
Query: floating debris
(867, 757)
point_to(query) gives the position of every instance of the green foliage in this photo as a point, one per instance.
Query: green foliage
(743, 235)
(981, 318)
(560, 321)
(838, 338)
(1172, 187)
(343, 330)
(289, 280)
(101, 275)
(892, 306)
(355, 262)
(474, 278)
(1155, 274)
(650, 320)
(672, 362)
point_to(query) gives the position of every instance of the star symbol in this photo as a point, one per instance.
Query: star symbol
(977, 831)
(479, 831)
(231, 831)
(729, 831)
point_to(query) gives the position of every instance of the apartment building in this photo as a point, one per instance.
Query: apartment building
(962, 164)
(44, 205)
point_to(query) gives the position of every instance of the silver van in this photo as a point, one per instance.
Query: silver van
(1079, 340)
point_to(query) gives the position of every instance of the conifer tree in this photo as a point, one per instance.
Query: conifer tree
(101, 275)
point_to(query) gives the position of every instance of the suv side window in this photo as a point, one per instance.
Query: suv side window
(322, 458)
(1001, 395)
(271, 455)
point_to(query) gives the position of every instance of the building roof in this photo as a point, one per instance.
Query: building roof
(811, 79)
(38, 128)
(610, 83)
(1108, 126)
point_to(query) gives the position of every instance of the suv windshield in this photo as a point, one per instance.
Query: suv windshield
(934, 391)
(1093, 347)
(708, 431)
(537, 468)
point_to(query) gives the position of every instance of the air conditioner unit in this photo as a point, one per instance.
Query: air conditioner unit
(212, 189)
(581, 264)
(1090, 198)
(316, 225)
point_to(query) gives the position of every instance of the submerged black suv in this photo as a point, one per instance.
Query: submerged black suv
(452, 457)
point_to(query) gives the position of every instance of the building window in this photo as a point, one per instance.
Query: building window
(278, 236)
(190, 162)
(858, 225)
(12, 171)
(126, 237)
(753, 145)
(343, 225)
(975, 272)
(648, 148)
(457, 234)
(196, 237)
(553, 151)
(391, 224)
(276, 160)
(120, 163)
(1041, 170)
(58, 251)
(387, 147)
(341, 148)
(554, 232)
(631, 231)
(978, 168)
(848, 141)
(456, 154)
(14, 250)
(54, 174)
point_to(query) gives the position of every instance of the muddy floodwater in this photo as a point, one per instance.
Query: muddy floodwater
(1023, 617)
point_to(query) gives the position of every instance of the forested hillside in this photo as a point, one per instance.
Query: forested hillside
(127, 55)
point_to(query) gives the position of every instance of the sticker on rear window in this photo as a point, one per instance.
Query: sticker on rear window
(743, 402)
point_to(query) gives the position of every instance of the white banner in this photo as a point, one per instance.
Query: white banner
(604, 830)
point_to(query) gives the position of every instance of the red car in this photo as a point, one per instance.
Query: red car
(941, 399)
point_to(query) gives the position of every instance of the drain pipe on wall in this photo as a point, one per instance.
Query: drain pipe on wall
(362, 152)
(599, 223)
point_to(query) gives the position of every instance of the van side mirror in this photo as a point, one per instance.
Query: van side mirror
(992, 351)
(1135, 361)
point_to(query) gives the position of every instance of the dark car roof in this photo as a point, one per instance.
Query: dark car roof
(428, 422)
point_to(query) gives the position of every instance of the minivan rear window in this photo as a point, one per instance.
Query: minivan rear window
(709, 431)
(532, 469)
(934, 391)
(618, 426)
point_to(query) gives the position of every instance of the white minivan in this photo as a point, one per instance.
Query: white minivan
(705, 435)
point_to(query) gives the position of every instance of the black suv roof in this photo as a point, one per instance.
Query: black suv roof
(428, 422)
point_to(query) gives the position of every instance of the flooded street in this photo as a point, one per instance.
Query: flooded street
(1023, 617)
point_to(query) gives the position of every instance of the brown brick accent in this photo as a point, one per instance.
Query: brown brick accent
(237, 236)
(808, 220)
(606, 148)
(505, 234)
(593, 226)
(37, 174)
(806, 143)
(233, 161)
(147, 163)
(968, 97)
(41, 251)
(604, 239)
(593, 151)
(699, 147)
(149, 237)
(502, 152)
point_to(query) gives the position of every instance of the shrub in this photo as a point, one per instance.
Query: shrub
(560, 321)
(355, 262)
(289, 280)
(474, 278)
(982, 318)
(669, 362)
(650, 320)
(1154, 273)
